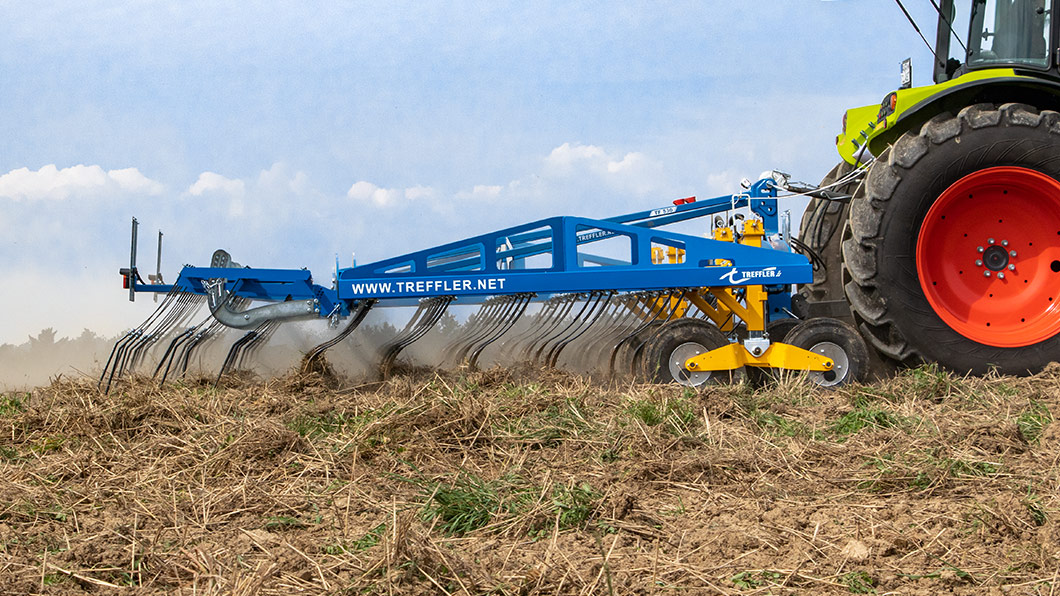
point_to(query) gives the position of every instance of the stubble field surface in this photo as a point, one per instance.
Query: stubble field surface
(531, 482)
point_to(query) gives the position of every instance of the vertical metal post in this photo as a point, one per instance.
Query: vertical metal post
(132, 262)
(158, 264)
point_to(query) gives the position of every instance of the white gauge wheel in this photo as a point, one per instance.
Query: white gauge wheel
(840, 365)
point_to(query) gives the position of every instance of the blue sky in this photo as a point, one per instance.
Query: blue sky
(289, 132)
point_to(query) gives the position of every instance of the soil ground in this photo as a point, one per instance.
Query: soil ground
(531, 482)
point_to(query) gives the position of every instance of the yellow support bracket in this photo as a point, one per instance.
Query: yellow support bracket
(778, 355)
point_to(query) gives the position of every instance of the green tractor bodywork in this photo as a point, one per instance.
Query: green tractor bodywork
(938, 234)
(879, 126)
(1011, 55)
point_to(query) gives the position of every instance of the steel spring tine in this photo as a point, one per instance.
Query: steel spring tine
(119, 354)
(177, 348)
(512, 345)
(356, 317)
(509, 306)
(262, 333)
(419, 324)
(470, 330)
(585, 319)
(414, 320)
(615, 320)
(171, 350)
(198, 339)
(563, 329)
(128, 349)
(590, 319)
(164, 305)
(212, 332)
(566, 304)
(421, 320)
(263, 338)
(518, 309)
(503, 308)
(233, 352)
(473, 327)
(174, 315)
(644, 324)
(431, 316)
(587, 309)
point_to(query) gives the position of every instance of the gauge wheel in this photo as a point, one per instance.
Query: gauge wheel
(953, 252)
(778, 329)
(836, 340)
(674, 343)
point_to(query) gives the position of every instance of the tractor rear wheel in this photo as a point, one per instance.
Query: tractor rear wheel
(821, 230)
(953, 252)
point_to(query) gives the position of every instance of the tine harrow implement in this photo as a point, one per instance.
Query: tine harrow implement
(622, 291)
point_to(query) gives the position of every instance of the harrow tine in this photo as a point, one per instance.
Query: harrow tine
(512, 345)
(358, 315)
(251, 348)
(655, 312)
(565, 304)
(553, 334)
(184, 307)
(599, 302)
(505, 323)
(119, 355)
(476, 324)
(615, 322)
(429, 312)
(500, 311)
(245, 346)
(171, 350)
(200, 339)
(119, 346)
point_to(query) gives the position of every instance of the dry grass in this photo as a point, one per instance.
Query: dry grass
(531, 482)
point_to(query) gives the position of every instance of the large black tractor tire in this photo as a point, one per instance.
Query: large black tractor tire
(953, 254)
(821, 231)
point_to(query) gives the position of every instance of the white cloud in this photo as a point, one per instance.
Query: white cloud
(481, 192)
(210, 182)
(387, 197)
(632, 172)
(53, 183)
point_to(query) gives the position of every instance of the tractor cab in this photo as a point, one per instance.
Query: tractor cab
(989, 34)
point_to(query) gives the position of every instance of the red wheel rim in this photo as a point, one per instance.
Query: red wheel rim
(988, 257)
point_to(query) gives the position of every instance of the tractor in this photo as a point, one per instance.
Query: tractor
(938, 234)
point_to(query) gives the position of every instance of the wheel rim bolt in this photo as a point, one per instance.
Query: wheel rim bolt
(979, 263)
(980, 249)
(989, 240)
(1001, 275)
(1004, 243)
(986, 274)
(1011, 267)
(1011, 253)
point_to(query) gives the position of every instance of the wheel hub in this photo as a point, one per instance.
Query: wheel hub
(987, 256)
(995, 258)
(840, 367)
(677, 360)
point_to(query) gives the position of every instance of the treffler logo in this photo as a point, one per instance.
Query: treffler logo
(736, 277)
